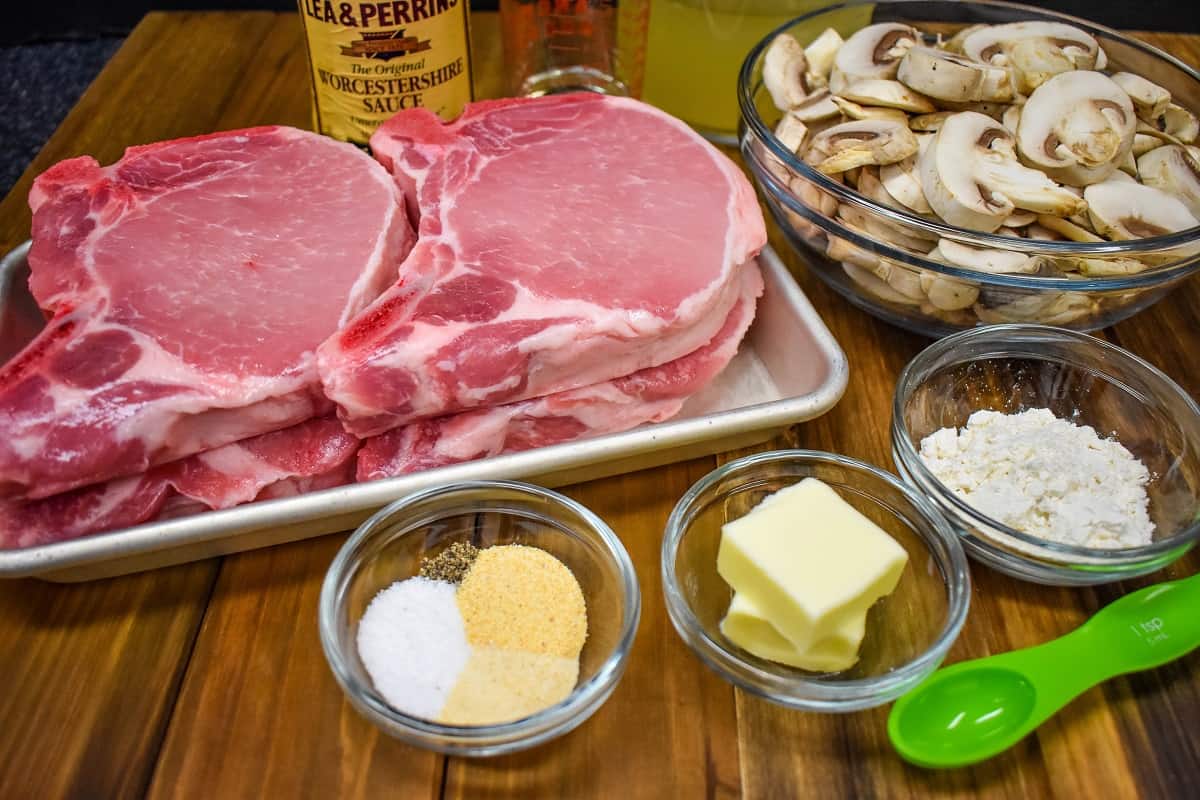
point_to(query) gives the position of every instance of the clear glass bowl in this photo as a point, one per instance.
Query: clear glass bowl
(908, 632)
(1011, 368)
(390, 546)
(892, 281)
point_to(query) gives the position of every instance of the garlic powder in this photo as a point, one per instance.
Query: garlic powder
(1046, 477)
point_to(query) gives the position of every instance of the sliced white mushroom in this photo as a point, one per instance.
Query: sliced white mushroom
(993, 110)
(1011, 118)
(971, 176)
(903, 182)
(1173, 170)
(790, 132)
(1077, 127)
(929, 123)
(817, 106)
(1128, 165)
(821, 53)
(1122, 211)
(1041, 233)
(813, 197)
(948, 294)
(872, 52)
(883, 231)
(840, 249)
(954, 43)
(1144, 142)
(1100, 267)
(1006, 262)
(877, 286)
(1047, 308)
(862, 142)
(947, 76)
(1149, 99)
(1033, 51)
(1065, 229)
(1019, 219)
(1151, 130)
(888, 94)
(1180, 123)
(855, 111)
(906, 281)
(872, 187)
(784, 65)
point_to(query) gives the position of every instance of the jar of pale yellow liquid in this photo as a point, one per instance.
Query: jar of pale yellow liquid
(696, 47)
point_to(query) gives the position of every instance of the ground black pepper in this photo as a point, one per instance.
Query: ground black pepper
(451, 564)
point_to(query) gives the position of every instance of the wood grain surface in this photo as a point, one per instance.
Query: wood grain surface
(208, 680)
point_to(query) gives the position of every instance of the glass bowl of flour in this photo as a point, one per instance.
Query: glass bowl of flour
(1058, 458)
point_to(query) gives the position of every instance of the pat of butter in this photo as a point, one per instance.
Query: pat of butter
(745, 626)
(809, 561)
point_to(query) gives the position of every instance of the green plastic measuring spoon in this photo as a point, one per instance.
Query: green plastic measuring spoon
(974, 710)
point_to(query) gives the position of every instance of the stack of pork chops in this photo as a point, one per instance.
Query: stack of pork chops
(251, 314)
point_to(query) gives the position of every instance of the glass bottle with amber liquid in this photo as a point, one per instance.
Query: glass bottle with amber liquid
(369, 60)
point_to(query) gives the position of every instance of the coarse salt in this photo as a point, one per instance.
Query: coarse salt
(413, 644)
(1045, 476)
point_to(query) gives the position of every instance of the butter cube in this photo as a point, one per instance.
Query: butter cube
(809, 561)
(745, 626)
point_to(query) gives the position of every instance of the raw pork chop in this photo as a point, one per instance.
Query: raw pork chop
(313, 455)
(190, 284)
(649, 395)
(562, 241)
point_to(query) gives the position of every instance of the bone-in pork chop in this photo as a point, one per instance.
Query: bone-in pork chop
(189, 285)
(313, 455)
(649, 395)
(562, 241)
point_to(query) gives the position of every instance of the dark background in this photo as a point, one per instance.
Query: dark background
(56, 19)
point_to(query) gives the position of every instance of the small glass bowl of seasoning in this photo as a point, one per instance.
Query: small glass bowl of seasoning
(1082, 381)
(480, 618)
(905, 633)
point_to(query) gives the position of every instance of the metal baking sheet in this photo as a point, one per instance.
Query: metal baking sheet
(788, 370)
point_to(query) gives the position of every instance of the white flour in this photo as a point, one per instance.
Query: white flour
(1045, 476)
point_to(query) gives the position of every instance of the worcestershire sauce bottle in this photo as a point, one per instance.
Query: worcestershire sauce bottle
(372, 59)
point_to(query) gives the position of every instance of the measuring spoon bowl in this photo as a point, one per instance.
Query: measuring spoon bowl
(974, 710)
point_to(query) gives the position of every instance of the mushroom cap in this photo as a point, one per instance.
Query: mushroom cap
(1180, 123)
(817, 106)
(872, 52)
(929, 123)
(888, 94)
(861, 142)
(1034, 51)
(784, 65)
(1149, 99)
(1077, 127)
(1121, 210)
(948, 76)
(986, 259)
(854, 110)
(791, 132)
(822, 51)
(1173, 170)
(971, 176)
(903, 182)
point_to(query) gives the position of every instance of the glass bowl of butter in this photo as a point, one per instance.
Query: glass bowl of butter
(1057, 457)
(813, 580)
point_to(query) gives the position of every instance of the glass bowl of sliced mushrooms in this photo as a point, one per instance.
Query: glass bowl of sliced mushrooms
(951, 164)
